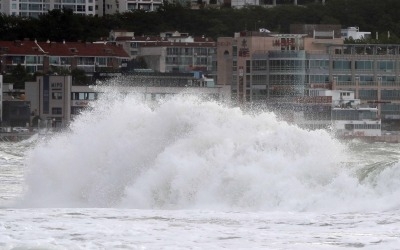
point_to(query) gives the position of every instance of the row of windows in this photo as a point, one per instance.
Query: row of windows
(34, 6)
(286, 64)
(100, 61)
(364, 65)
(319, 64)
(391, 107)
(187, 60)
(346, 114)
(317, 78)
(78, 8)
(366, 80)
(362, 126)
(288, 79)
(83, 96)
(390, 94)
(191, 51)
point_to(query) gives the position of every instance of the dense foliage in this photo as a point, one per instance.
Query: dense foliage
(370, 15)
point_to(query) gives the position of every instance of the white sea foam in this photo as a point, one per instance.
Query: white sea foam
(190, 154)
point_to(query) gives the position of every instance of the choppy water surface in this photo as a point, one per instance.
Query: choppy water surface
(198, 175)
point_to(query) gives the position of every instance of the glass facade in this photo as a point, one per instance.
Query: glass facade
(185, 59)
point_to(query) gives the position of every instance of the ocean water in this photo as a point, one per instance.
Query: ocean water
(194, 174)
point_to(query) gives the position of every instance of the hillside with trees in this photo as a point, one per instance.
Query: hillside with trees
(370, 15)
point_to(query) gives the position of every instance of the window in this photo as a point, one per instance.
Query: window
(234, 51)
(366, 78)
(364, 65)
(81, 8)
(319, 64)
(368, 94)
(30, 59)
(388, 78)
(56, 111)
(387, 66)
(390, 94)
(54, 60)
(259, 79)
(341, 65)
(56, 95)
(101, 61)
(344, 78)
(259, 65)
(319, 78)
(83, 96)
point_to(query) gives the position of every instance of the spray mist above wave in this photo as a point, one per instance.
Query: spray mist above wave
(188, 153)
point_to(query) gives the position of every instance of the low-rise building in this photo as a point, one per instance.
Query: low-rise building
(170, 52)
(56, 101)
(45, 57)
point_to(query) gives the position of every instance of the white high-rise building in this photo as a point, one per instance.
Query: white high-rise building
(33, 8)
(109, 7)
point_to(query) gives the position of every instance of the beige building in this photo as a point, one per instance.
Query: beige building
(278, 69)
(261, 65)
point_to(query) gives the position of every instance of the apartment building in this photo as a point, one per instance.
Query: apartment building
(55, 57)
(266, 69)
(30, 8)
(371, 71)
(171, 51)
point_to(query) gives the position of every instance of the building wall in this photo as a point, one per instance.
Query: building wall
(372, 72)
(224, 60)
(50, 99)
(279, 68)
(154, 57)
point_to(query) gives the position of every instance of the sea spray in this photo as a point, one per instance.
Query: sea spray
(189, 153)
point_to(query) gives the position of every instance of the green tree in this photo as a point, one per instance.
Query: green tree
(18, 77)
(79, 77)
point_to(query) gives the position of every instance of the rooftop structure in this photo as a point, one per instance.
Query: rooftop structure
(354, 33)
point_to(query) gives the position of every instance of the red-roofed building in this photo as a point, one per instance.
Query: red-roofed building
(50, 56)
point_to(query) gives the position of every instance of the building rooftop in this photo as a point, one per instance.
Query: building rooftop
(27, 47)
